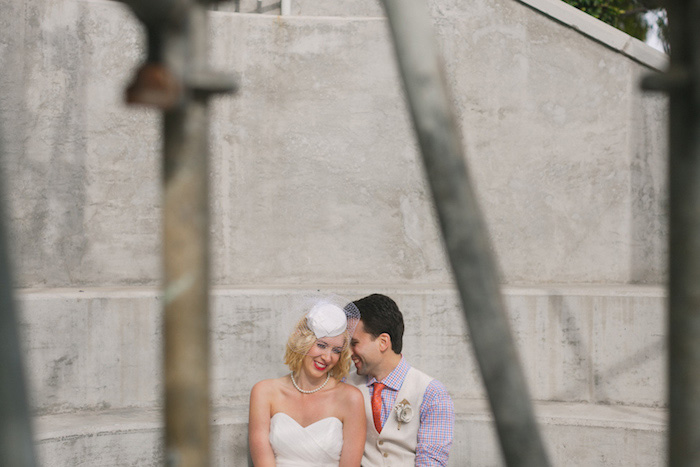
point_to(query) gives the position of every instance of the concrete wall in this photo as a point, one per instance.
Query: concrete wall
(100, 349)
(314, 163)
(638, 441)
(593, 356)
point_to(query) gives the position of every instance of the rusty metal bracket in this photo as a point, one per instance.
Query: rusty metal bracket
(155, 83)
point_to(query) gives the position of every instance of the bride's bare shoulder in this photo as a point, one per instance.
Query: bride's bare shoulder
(267, 386)
(350, 394)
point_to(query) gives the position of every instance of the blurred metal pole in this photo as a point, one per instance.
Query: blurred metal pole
(16, 440)
(285, 7)
(186, 253)
(683, 84)
(464, 231)
(176, 79)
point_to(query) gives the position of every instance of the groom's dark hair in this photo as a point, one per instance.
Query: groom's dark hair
(379, 315)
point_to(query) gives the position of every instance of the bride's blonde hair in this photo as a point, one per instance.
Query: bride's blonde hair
(300, 342)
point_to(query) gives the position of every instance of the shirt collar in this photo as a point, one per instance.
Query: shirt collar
(394, 380)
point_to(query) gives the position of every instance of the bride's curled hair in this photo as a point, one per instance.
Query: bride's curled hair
(303, 339)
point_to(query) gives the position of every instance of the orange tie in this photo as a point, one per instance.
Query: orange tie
(377, 406)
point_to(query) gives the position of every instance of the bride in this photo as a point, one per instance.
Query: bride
(309, 417)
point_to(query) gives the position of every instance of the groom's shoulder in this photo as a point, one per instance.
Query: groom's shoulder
(433, 382)
(416, 373)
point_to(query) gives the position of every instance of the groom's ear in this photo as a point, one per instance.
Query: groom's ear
(384, 342)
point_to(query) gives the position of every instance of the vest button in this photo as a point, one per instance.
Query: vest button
(386, 454)
(380, 442)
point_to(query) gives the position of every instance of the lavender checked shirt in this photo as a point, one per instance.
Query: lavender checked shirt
(437, 416)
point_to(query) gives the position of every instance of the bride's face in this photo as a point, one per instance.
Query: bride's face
(323, 355)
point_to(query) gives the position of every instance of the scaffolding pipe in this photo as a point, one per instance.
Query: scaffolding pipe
(285, 7)
(16, 440)
(683, 84)
(176, 79)
(186, 251)
(464, 232)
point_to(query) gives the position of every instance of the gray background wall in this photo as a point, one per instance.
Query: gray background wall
(315, 174)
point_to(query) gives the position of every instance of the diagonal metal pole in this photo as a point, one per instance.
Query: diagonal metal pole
(464, 232)
(16, 441)
(175, 78)
(683, 84)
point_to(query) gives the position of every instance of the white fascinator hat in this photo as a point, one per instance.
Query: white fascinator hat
(330, 317)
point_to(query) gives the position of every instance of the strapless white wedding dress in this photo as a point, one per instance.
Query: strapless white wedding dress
(317, 445)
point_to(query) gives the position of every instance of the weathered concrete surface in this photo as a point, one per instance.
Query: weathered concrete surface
(130, 437)
(557, 189)
(91, 350)
(576, 435)
(83, 184)
(593, 356)
(314, 163)
(101, 348)
(558, 11)
(11, 85)
(579, 435)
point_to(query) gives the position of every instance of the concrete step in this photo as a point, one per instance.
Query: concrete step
(575, 435)
(93, 349)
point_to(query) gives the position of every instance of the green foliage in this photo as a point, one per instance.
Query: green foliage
(626, 15)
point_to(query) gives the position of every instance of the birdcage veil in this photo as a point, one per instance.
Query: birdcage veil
(328, 316)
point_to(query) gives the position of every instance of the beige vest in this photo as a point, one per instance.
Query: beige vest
(396, 444)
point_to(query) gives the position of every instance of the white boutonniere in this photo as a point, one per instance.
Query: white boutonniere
(404, 412)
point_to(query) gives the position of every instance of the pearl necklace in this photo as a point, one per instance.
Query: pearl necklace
(304, 391)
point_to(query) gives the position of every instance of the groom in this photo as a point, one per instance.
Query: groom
(410, 416)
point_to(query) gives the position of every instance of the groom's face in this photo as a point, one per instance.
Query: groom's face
(365, 351)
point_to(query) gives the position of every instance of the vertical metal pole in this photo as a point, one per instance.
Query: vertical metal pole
(186, 249)
(684, 247)
(176, 78)
(16, 440)
(285, 7)
(464, 231)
